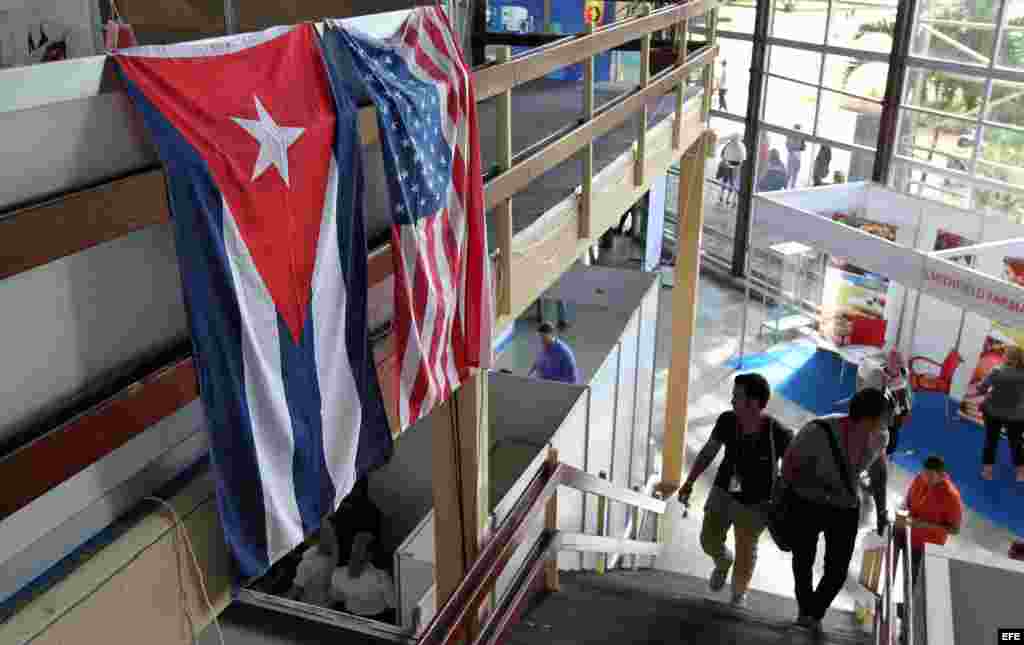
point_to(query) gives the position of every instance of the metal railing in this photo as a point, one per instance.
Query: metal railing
(453, 617)
(897, 560)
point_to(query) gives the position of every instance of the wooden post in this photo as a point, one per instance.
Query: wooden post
(681, 55)
(587, 198)
(645, 79)
(709, 69)
(503, 211)
(460, 443)
(684, 312)
(551, 523)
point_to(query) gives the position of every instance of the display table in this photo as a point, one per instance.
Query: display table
(787, 314)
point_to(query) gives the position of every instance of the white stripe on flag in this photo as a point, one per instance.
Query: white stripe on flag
(340, 407)
(264, 389)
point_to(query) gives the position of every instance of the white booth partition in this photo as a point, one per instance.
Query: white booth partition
(954, 281)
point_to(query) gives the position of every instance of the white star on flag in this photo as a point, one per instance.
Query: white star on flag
(274, 141)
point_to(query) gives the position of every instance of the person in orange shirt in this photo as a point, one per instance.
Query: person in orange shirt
(935, 510)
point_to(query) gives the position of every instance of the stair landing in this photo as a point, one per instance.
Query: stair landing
(662, 607)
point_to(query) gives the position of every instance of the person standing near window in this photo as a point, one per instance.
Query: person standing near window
(820, 472)
(754, 443)
(795, 146)
(821, 164)
(1004, 408)
(722, 89)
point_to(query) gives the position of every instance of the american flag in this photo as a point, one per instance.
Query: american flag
(426, 112)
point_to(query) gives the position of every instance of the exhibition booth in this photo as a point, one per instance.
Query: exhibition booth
(863, 270)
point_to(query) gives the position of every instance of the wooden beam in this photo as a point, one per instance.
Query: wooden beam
(503, 209)
(473, 434)
(546, 248)
(41, 234)
(203, 16)
(519, 177)
(55, 457)
(681, 55)
(451, 550)
(58, 228)
(587, 196)
(495, 79)
(645, 80)
(684, 313)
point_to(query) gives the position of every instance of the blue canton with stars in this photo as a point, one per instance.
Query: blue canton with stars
(417, 158)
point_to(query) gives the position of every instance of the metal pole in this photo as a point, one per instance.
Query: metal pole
(887, 129)
(746, 309)
(750, 139)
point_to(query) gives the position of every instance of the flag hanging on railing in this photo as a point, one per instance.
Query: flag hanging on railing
(426, 113)
(266, 190)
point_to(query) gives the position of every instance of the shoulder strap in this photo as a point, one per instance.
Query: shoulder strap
(844, 468)
(771, 440)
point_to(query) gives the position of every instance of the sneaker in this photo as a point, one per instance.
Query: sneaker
(807, 622)
(718, 576)
(739, 600)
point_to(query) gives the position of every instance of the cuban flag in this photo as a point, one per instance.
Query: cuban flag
(265, 181)
(426, 113)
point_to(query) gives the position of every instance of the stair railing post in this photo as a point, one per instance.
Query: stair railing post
(551, 524)
(602, 511)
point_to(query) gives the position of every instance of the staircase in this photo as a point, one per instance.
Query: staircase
(659, 607)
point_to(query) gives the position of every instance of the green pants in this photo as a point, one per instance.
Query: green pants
(722, 512)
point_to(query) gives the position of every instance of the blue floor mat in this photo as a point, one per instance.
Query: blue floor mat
(811, 379)
(800, 373)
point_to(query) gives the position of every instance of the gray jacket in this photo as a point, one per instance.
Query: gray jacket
(818, 478)
(1007, 398)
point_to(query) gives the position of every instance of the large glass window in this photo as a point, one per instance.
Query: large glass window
(737, 17)
(866, 26)
(960, 31)
(961, 133)
(800, 20)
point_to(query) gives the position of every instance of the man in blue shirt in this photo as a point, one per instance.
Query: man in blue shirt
(556, 361)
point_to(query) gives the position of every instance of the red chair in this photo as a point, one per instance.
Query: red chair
(932, 383)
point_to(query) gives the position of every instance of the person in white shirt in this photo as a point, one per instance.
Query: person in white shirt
(362, 588)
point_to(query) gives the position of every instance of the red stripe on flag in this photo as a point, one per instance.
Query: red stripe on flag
(403, 311)
(420, 296)
(441, 305)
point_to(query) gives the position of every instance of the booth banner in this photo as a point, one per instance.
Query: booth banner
(985, 295)
(993, 354)
(861, 295)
